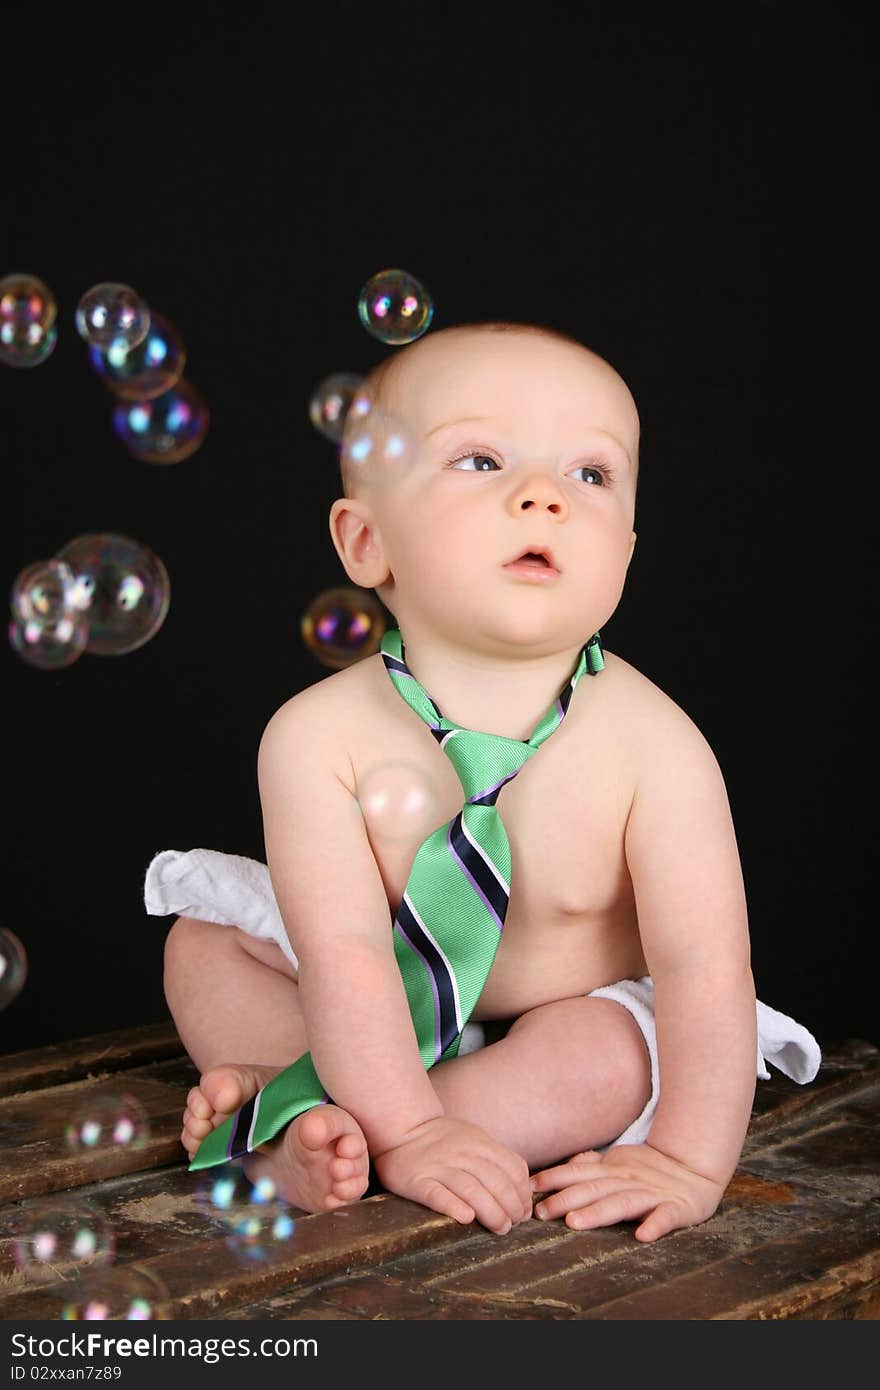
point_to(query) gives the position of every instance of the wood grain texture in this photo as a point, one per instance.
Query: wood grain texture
(797, 1235)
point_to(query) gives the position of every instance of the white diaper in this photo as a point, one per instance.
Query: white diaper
(237, 892)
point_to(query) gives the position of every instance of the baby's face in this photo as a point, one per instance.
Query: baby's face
(519, 442)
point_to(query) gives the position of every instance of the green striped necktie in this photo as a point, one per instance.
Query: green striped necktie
(449, 921)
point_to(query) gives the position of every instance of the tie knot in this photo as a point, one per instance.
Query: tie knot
(484, 762)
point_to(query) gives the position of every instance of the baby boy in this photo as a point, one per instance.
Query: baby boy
(622, 1037)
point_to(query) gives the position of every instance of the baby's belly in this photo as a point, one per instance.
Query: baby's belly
(560, 960)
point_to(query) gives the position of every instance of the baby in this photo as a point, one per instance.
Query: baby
(620, 1019)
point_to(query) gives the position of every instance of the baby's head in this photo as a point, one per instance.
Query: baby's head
(518, 438)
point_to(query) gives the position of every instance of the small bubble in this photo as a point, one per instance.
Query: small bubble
(395, 307)
(343, 625)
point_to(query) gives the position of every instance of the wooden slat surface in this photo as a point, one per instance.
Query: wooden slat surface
(796, 1236)
(98, 1056)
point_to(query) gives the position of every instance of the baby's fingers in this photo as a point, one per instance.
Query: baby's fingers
(438, 1197)
(487, 1190)
(562, 1174)
(666, 1217)
(588, 1205)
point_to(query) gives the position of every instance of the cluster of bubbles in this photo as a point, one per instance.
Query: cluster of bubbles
(251, 1216)
(137, 354)
(69, 1240)
(101, 593)
(139, 357)
(344, 624)
(71, 1243)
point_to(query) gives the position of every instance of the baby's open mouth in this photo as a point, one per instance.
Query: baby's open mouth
(542, 559)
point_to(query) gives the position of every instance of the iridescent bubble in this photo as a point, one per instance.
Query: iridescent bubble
(125, 1293)
(43, 591)
(395, 307)
(112, 316)
(120, 587)
(142, 372)
(27, 321)
(49, 646)
(13, 966)
(343, 625)
(252, 1215)
(165, 429)
(377, 445)
(107, 1123)
(331, 401)
(24, 300)
(58, 1239)
(399, 803)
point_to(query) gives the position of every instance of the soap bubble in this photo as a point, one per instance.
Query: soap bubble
(121, 587)
(27, 321)
(377, 446)
(252, 1215)
(125, 1293)
(52, 645)
(58, 1239)
(25, 299)
(398, 802)
(331, 402)
(165, 429)
(395, 307)
(343, 625)
(111, 315)
(43, 591)
(13, 966)
(142, 372)
(107, 1123)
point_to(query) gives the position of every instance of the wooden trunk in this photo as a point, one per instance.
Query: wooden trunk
(797, 1235)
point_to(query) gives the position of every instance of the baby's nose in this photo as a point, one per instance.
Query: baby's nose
(540, 490)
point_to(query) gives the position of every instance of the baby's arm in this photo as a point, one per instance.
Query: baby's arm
(685, 869)
(360, 1034)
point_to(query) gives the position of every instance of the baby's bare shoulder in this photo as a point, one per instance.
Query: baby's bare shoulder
(647, 718)
(322, 715)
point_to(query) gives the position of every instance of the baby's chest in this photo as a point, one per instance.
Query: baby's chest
(564, 815)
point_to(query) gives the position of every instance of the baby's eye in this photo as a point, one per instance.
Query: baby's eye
(479, 460)
(600, 474)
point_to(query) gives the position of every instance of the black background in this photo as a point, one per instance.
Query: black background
(684, 188)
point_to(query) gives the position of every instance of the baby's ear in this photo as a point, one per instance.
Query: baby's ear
(357, 542)
(632, 546)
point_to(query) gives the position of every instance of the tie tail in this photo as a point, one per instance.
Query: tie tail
(216, 1148)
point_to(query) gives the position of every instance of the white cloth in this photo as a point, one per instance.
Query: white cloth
(237, 892)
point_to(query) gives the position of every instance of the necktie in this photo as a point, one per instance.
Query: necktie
(448, 925)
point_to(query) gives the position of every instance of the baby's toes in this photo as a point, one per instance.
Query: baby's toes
(198, 1128)
(351, 1146)
(348, 1189)
(342, 1168)
(197, 1104)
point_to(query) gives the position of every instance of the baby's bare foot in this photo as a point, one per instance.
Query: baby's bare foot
(318, 1163)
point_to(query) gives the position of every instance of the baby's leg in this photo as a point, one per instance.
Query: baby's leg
(569, 1076)
(233, 996)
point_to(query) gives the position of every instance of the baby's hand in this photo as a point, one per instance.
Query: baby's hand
(457, 1169)
(626, 1182)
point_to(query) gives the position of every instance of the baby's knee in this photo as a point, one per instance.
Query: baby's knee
(593, 1042)
(187, 943)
